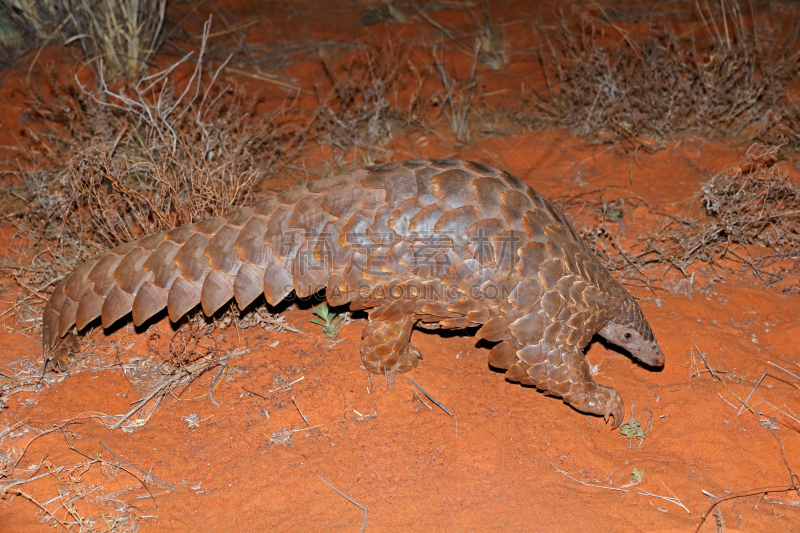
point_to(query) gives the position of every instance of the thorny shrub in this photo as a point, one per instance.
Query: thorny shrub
(616, 88)
(750, 223)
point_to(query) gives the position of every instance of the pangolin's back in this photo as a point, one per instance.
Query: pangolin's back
(449, 243)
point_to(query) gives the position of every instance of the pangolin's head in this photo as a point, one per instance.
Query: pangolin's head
(637, 338)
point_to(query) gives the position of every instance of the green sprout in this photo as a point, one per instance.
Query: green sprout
(332, 321)
(637, 475)
(633, 430)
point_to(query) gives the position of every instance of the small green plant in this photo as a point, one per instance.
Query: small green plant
(331, 322)
(633, 430)
(637, 475)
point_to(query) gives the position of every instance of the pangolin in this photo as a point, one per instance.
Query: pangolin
(437, 243)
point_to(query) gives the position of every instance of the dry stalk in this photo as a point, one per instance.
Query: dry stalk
(456, 101)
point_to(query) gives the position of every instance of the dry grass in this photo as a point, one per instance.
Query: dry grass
(755, 202)
(11, 37)
(750, 224)
(121, 36)
(490, 45)
(727, 79)
(364, 109)
(380, 93)
(457, 99)
(136, 162)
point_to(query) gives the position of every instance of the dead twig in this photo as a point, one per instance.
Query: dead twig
(146, 474)
(431, 398)
(348, 498)
(301, 412)
(744, 403)
(40, 506)
(743, 494)
(267, 79)
(566, 474)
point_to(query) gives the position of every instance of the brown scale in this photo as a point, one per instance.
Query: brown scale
(436, 243)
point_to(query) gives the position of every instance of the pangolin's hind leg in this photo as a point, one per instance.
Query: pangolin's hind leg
(384, 344)
(563, 371)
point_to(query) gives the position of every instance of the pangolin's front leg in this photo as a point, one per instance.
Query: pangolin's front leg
(563, 372)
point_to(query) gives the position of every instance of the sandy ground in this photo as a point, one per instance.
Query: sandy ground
(509, 458)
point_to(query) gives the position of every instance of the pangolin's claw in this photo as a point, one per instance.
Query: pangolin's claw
(616, 409)
(599, 400)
